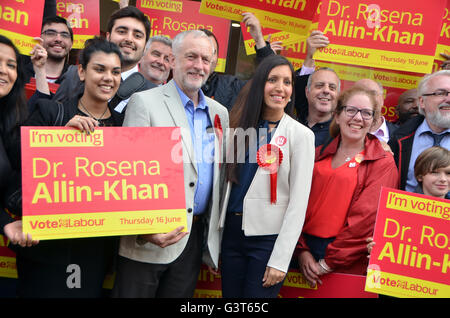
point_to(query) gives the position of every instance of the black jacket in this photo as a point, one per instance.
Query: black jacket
(29, 72)
(63, 251)
(47, 111)
(224, 88)
(392, 128)
(5, 172)
(72, 86)
(401, 145)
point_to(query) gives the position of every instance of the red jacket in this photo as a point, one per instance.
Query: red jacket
(348, 252)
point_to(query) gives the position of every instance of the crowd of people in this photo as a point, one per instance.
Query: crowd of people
(278, 203)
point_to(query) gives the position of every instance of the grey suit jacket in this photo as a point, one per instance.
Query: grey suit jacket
(162, 107)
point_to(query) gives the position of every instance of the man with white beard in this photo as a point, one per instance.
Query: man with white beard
(431, 128)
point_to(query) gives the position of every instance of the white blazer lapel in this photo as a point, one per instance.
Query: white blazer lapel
(280, 129)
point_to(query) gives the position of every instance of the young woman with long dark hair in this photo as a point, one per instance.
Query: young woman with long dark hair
(268, 182)
(13, 112)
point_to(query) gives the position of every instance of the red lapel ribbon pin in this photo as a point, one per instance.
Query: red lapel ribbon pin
(219, 132)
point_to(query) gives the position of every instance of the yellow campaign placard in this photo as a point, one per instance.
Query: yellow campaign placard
(334, 285)
(20, 21)
(385, 77)
(297, 280)
(397, 35)
(79, 40)
(410, 62)
(23, 42)
(411, 255)
(394, 82)
(404, 286)
(84, 18)
(443, 45)
(104, 223)
(110, 182)
(8, 267)
(65, 138)
(419, 205)
(221, 65)
(286, 38)
(441, 48)
(167, 5)
(291, 16)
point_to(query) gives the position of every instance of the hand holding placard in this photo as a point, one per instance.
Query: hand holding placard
(411, 256)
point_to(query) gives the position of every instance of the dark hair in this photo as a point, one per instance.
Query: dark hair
(209, 33)
(342, 100)
(430, 160)
(98, 44)
(13, 106)
(130, 12)
(253, 107)
(248, 108)
(59, 20)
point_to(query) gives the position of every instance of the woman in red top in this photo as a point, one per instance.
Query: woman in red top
(348, 175)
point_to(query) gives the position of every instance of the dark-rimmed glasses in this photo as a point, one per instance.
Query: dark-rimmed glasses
(439, 93)
(351, 111)
(53, 33)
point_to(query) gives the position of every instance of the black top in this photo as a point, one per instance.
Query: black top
(67, 250)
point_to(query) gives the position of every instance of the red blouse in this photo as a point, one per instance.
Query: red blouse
(330, 197)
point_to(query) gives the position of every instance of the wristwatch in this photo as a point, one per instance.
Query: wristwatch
(140, 240)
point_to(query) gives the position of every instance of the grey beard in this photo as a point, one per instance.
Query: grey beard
(438, 120)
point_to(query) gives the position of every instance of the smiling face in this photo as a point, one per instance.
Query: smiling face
(101, 76)
(436, 183)
(8, 69)
(436, 108)
(355, 128)
(278, 89)
(407, 105)
(323, 91)
(192, 62)
(155, 64)
(129, 34)
(57, 43)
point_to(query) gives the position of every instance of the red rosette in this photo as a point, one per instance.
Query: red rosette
(219, 132)
(269, 157)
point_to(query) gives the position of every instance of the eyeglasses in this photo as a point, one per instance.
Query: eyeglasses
(351, 111)
(53, 33)
(438, 93)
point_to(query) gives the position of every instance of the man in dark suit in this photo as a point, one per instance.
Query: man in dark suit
(430, 128)
(129, 28)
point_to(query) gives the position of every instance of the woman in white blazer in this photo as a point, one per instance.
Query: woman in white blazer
(268, 183)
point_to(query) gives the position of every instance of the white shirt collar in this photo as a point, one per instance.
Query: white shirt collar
(129, 72)
(382, 133)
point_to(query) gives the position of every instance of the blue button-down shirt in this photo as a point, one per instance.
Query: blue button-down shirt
(421, 142)
(203, 142)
